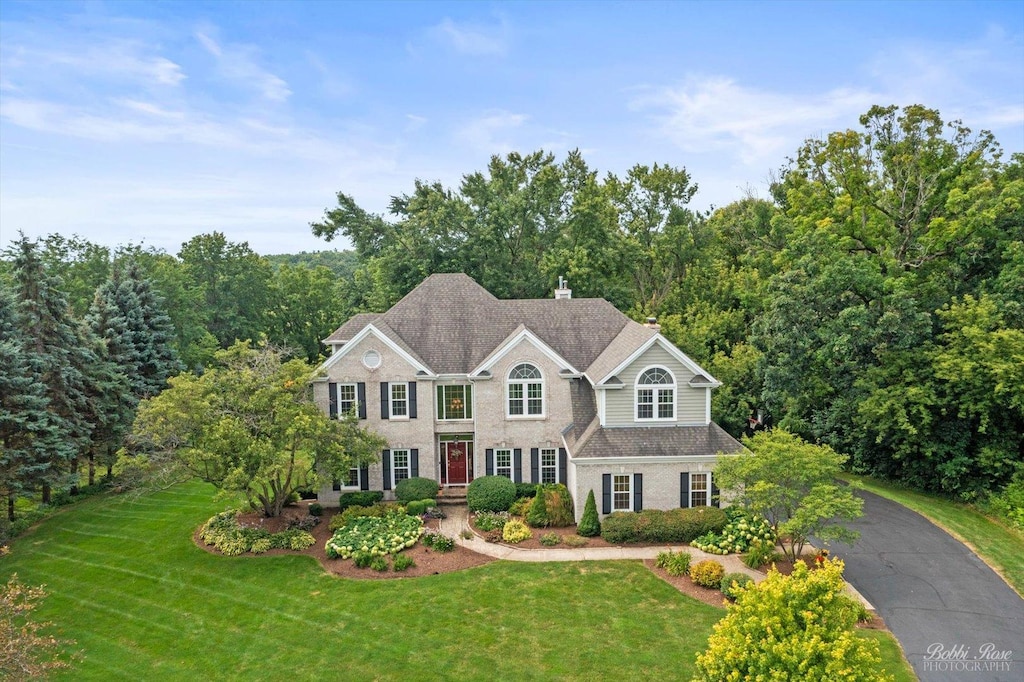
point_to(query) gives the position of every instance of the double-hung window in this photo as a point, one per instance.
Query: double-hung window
(503, 463)
(352, 480)
(699, 489)
(622, 499)
(454, 402)
(655, 395)
(525, 391)
(399, 466)
(399, 400)
(347, 398)
(548, 465)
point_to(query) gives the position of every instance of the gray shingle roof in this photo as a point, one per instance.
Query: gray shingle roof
(657, 441)
(452, 324)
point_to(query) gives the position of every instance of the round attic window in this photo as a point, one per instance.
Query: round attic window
(371, 359)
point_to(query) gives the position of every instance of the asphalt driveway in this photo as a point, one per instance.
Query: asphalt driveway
(956, 619)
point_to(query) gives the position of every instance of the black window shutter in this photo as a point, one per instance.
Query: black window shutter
(385, 400)
(412, 400)
(562, 457)
(332, 398)
(361, 397)
(414, 462)
(489, 463)
(386, 461)
(364, 478)
(715, 502)
(517, 465)
(684, 489)
(638, 492)
(535, 464)
(606, 493)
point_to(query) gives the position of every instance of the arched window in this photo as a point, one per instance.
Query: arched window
(525, 391)
(655, 395)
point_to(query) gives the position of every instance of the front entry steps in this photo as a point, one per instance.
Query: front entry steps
(452, 496)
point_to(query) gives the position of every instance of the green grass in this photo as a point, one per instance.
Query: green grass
(142, 601)
(892, 655)
(999, 546)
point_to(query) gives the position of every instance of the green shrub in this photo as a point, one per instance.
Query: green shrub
(551, 506)
(515, 531)
(520, 507)
(316, 509)
(760, 553)
(375, 536)
(537, 512)
(742, 529)
(363, 498)
(292, 499)
(791, 627)
(262, 545)
(550, 539)
(590, 524)
(525, 490)
(707, 573)
(352, 513)
(403, 562)
(379, 564)
(655, 525)
(488, 520)
(674, 563)
(575, 541)
(438, 541)
(416, 488)
(362, 560)
(490, 493)
(734, 583)
(416, 507)
(223, 532)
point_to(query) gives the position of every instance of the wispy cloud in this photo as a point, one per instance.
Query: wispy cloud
(475, 40)
(718, 114)
(492, 132)
(239, 64)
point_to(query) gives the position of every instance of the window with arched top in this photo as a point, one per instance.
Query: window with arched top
(655, 395)
(525, 391)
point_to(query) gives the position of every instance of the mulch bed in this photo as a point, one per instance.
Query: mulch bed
(428, 561)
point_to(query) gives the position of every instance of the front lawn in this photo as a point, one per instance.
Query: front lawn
(126, 581)
(1000, 547)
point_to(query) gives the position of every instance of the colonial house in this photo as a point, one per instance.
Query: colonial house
(561, 390)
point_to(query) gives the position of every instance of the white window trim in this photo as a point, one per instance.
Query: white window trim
(355, 399)
(468, 408)
(629, 492)
(345, 485)
(391, 401)
(511, 463)
(706, 490)
(394, 469)
(655, 389)
(542, 467)
(525, 383)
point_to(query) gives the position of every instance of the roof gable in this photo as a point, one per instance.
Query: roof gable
(669, 347)
(519, 335)
(395, 345)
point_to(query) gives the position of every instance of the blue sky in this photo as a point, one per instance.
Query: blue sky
(153, 122)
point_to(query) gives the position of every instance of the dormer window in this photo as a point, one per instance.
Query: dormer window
(656, 395)
(525, 391)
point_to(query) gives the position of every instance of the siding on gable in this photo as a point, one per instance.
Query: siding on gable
(691, 403)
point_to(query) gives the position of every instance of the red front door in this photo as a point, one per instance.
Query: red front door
(457, 463)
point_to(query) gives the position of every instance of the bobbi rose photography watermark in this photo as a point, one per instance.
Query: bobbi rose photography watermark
(961, 658)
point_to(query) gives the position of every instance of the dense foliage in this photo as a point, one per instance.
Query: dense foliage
(490, 493)
(655, 525)
(223, 532)
(375, 536)
(743, 530)
(416, 488)
(590, 523)
(797, 627)
(551, 506)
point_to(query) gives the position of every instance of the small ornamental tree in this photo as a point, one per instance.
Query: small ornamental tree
(796, 627)
(26, 651)
(589, 526)
(791, 483)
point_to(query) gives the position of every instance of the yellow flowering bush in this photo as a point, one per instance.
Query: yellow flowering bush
(796, 627)
(515, 531)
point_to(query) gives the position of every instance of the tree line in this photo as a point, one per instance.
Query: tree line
(872, 302)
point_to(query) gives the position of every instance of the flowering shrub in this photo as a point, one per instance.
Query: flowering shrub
(375, 536)
(515, 532)
(707, 573)
(438, 541)
(797, 627)
(488, 520)
(742, 529)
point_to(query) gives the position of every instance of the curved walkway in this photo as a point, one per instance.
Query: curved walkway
(936, 596)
